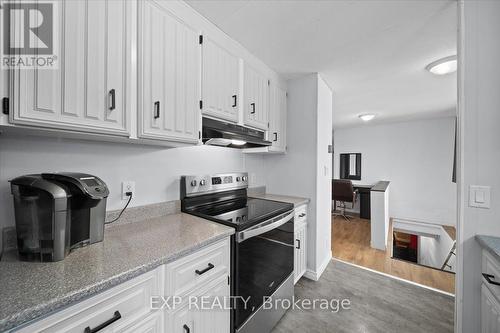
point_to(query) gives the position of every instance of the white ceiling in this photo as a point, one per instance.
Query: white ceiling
(372, 53)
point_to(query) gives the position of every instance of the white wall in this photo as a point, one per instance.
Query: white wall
(156, 171)
(323, 172)
(415, 156)
(479, 105)
(305, 168)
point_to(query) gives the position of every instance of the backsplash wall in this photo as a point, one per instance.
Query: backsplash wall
(155, 170)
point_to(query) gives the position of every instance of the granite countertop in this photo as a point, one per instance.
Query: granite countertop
(31, 290)
(491, 244)
(296, 201)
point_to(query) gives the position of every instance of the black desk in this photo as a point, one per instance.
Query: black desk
(364, 200)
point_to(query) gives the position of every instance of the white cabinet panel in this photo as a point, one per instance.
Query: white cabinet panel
(132, 300)
(87, 92)
(256, 97)
(182, 277)
(277, 118)
(300, 251)
(490, 311)
(169, 76)
(195, 318)
(220, 82)
(152, 324)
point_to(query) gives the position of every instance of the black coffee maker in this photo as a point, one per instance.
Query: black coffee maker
(57, 212)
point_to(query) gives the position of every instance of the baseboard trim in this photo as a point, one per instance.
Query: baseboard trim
(315, 275)
(396, 278)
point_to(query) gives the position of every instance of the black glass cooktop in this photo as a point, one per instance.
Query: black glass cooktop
(242, 213)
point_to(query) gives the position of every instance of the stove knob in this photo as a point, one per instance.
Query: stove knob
(244, 178)
(193, 182)
(202, 182)
(238, 179)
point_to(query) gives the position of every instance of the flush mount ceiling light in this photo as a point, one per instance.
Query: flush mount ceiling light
(366, 116)
(443, 66)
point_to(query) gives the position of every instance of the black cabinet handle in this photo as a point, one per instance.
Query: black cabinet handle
(302, 215)
(113, 101)
(298, 244)
(108, 322)
(235, 101)
(490, 278)
(253, 108)
(275, 136)
(156, 114)
(186, 328)
(210, 266)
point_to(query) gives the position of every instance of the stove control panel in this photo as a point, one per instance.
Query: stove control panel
(204, 184)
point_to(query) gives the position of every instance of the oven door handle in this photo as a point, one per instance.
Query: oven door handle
(264, 227)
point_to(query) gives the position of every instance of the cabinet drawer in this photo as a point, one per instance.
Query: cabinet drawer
(491, 266)
(300, 214)
(197, 269)
(131, 300)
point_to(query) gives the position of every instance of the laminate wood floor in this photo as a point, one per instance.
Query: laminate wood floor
(351, 243)
(378, 305)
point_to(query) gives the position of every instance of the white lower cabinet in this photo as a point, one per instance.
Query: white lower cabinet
(128, 307)
(121, 307)
(194, 317)
(300, 256)
(490, 311)
(490, 294)
(151, 324)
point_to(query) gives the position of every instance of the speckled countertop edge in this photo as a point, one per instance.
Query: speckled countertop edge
(47, 307)
(491, 244)
(296, 201)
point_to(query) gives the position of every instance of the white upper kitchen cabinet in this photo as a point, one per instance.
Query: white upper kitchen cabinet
(256, 98)
(169, 75)
(220, 81)
(87, 92)
(277, 118)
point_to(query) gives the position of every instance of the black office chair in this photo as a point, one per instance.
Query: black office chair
(343, 191)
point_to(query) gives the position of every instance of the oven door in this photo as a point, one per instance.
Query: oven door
(263, 260)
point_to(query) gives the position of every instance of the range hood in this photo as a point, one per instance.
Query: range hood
(220, 133)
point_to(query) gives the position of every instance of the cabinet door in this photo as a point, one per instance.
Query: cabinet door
(197, 317)
(169, 76)
(256, 95)
(216, 320)
(87, 91)
(220, 82)
(490, 311)
(300, 252)
(277, 118)
(151, 324)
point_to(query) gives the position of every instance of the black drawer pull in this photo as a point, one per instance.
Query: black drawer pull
(210, 266)
(156, 114)
(235, 101)
(275, 136)
(253, 108)
(302, 215)
(490, 278)
(298, 244)
(112, 94)
(186, 328)
(108, 322)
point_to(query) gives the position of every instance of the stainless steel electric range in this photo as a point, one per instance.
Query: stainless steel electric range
(262, 247)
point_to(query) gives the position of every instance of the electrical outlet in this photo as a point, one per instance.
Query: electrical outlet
(127, 186)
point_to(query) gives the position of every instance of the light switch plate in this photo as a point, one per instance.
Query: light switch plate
(479, 196)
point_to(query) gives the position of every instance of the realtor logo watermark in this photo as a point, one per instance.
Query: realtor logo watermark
(214, 303)
(30, 35)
